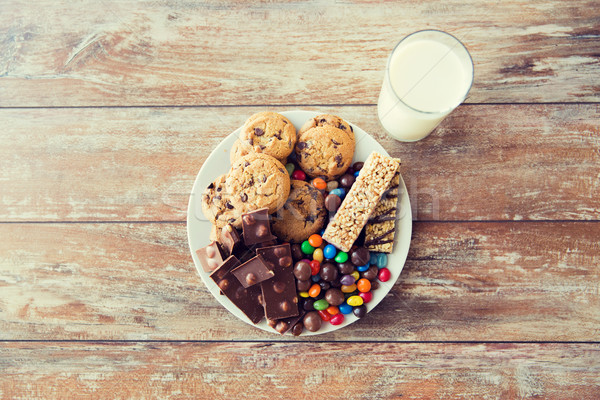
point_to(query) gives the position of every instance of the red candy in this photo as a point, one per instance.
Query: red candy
(298, 175)
(315, 267)
(384, 275)
(336, 319)
(366, 296)
(325, 316)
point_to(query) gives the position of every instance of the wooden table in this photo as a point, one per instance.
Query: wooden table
(108, 110)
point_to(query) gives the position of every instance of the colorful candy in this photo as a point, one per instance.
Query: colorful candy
(355, 301)
(366, 296)
(381, 260)
(314, 290)
(347, 280)
(384, 275)
(319, 183)
(315, 240)
(329, 251)
(333, 310)
(337, 319)
(363, 285)
(338, 192)
(332, 185)
(318, 255)
(348, 288)
(325, 316)
(363, 268)
(290, 168)
(306, 247)
(341, 257)
(315, 267)
(298, 175)
(321, 304)
(345, 308)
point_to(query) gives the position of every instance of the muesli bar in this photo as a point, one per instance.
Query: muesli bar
(361, 201)
(381, 228)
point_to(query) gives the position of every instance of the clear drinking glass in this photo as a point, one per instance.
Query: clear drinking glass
(428, 74)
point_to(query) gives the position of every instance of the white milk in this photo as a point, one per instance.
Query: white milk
(425, 80)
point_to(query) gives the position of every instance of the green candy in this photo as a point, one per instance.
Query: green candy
(290, 168)
(341, 257)
(320, 305)
(307, 248)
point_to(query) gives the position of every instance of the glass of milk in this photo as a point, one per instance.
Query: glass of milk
(428, 74)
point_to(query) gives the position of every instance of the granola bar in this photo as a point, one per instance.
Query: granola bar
(361, 201)
(381, 228)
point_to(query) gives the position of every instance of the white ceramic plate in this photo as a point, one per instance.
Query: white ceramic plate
(199, 227)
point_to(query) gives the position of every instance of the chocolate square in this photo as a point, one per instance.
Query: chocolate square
(256, 227)
(279, 292)
(210, 257)
(248, 300)
(252, 272)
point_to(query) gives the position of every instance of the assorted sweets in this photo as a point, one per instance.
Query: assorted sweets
(300, 234)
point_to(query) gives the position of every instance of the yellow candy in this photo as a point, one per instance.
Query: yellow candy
(348, 288)
(318, 255)
(354, 301)
(356, 275)
(303, 294)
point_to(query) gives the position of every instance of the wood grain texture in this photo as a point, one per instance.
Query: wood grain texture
(278, 52)
(518, 281)
(485, 162)
(299, 371)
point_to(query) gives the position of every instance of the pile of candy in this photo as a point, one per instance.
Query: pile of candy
(333, 283)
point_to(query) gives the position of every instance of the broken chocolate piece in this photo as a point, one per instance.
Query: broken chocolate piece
(210, 257)
(230, 239)
(256, 227)
(279, 293)
(252, 272)
(230, 263)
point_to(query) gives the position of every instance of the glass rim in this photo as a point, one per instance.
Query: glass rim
(462, 98)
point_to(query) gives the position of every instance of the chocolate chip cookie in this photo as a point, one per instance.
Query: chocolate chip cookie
(328, 119)
(324, 151)
(257, 181)
(302, 214)
(237, 151)
(217, 206)
(269, 133)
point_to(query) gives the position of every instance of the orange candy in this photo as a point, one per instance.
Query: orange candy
(314, 290)
(315, 240)
(363, 285)
(333, 310)
(319, 183)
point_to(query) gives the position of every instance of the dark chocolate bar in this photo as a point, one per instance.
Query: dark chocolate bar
(210, 257)
(279, 292)
(256, 227)
(252, 272)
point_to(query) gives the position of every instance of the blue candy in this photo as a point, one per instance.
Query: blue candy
(356, 173)
(339, 192)
(345, 308)
(373, 259)
(363, 268)
(322, 232)
(329, 251)
(381, 260)
(315, 278)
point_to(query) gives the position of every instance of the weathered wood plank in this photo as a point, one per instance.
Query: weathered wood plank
(498, 162)
(198, 53)
(299, 370)
(512, 281)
